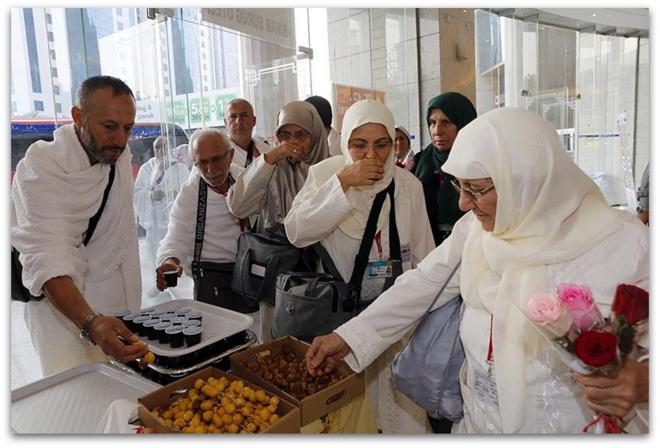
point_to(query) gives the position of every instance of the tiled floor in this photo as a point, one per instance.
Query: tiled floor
(25, 366)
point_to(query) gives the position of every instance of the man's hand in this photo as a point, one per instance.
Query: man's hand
(157, 195)
(644, 215)
(323, 354)
(171, 264)
(618, 393)
(284, 150)
(360, 173)
(106, 331)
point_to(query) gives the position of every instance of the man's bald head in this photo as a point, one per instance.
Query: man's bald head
(212, 153)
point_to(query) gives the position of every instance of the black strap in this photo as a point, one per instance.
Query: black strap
(201, 222)
(250, 153)
(94, 220)
(362, 258)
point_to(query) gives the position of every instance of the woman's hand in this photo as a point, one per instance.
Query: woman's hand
(360, 173)
(284, 150)
(323, 354)
(616, 394)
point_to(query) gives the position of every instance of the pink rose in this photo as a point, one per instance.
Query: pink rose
(580, 303)
(546, 310)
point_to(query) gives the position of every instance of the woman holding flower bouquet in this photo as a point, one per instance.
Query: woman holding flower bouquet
(537, 221)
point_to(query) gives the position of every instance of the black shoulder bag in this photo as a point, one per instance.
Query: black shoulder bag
(213, 280)
(18, 290)
(312, 304)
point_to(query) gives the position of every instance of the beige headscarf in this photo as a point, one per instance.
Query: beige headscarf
(290, 177)
(548, 211)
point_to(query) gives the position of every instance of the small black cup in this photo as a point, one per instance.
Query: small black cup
(160, 328)
(171, 277)
(175, 333)
(192, 335)
(194, 315)
(128, 321)
(149, 328)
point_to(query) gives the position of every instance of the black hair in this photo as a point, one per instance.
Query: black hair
(322, 106)
(91, 85)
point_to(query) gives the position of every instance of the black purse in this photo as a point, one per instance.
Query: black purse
(18, 290)
(212, 281)
(312, 304)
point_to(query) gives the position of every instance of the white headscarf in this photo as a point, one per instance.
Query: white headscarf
(548, 211)
(361, 198)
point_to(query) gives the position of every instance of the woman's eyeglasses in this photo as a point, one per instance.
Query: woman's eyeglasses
(472, 194)
(298, 136)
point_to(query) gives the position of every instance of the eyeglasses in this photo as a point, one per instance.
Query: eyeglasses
(362, 145)
(300, 135)
(475, 195)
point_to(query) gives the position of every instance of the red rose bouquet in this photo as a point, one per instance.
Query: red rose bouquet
(587, 342)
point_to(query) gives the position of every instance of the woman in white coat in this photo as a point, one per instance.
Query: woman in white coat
(537, 220)
(333, 207)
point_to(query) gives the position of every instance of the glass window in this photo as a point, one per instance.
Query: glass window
(49, 18)
(51, 37)
(38, 105)
(33, 57)
(53, 72)
(56, 90)
(58, 108)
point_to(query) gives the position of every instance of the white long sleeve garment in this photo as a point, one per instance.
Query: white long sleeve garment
(553, 403)
(240, 154)
(54, 194)
(221, 230)
(249, 196)
(316, 217)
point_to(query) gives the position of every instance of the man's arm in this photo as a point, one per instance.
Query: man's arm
(104, 330)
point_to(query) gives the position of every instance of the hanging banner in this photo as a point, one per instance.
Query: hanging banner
(276, 25)
(345, 96)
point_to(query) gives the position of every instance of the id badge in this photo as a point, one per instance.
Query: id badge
(379, 269)
(405, 252)
(485, 387)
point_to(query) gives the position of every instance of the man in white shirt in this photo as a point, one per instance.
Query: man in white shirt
(324, 109)
(240, 121)
(212, 154)
(58, 188)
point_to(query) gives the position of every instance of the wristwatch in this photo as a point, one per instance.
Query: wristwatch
(85, 335)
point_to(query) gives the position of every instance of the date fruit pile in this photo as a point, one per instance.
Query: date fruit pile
(288, 372)
(218, 406)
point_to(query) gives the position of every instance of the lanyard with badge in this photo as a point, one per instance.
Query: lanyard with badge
(391, 268)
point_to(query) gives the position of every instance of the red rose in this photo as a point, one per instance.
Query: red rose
(596, 348)
(632, 303)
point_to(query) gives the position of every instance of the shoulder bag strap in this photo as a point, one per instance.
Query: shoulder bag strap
(395, 243)
(201, 224)
(94, 220)
(362, 258)
(250, 154)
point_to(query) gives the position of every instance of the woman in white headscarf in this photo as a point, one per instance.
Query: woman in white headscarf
(333, 208)
(537, 220)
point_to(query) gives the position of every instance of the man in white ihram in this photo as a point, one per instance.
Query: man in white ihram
(240, 121)
(156, 186)
(58, 187)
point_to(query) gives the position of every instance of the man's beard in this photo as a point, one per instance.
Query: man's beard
(94, 152)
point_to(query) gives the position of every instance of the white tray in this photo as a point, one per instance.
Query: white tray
(218, 323)
(73, 401)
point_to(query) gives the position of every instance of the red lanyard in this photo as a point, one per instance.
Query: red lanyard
(379, 246)
(489, 357)
(241, 223)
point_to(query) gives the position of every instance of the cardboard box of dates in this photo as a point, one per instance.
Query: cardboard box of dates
(214, 401)
(279, 367)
